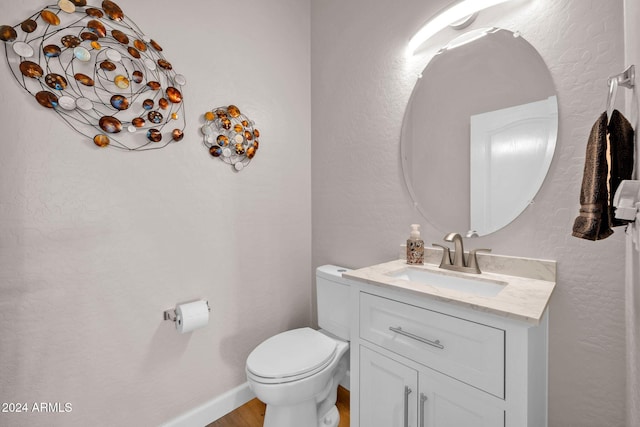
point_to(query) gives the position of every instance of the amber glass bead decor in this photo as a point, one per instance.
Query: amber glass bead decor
(94, 67)
(230, 136)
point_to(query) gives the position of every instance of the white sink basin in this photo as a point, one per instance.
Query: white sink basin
(481, 287)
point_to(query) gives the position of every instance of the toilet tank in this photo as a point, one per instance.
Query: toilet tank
(333, 300)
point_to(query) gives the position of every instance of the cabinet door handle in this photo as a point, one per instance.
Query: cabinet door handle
(423, 399)
(398, 330)
(407, 392)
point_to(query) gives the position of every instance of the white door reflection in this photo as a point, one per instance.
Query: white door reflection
(511, 150)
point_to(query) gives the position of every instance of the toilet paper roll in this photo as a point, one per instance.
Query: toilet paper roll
(190, 316)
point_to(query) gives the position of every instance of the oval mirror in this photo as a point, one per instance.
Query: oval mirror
(479, 132)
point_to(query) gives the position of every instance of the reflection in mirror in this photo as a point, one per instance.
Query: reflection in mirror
(479, 132)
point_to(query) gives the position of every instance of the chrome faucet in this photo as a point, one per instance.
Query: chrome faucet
(458, 257)
(459, 263)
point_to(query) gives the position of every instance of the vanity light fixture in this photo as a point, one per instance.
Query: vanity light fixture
(451, 15)
(468, 37)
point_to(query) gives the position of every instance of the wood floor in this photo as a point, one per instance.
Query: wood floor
(251, 414)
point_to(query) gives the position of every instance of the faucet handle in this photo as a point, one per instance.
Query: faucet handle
(446, 256)
(473, 261)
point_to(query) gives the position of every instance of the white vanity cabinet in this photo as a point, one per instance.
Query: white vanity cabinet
(419, 362)
(395, 395)
(388, 391)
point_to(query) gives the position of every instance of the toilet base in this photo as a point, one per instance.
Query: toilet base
(330, 419)
(292, 416)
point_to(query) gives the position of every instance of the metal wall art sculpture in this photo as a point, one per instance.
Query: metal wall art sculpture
(231, 136)
(100, 73)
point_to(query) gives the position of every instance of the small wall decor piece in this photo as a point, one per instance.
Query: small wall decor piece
(99, 72)
(230, 136)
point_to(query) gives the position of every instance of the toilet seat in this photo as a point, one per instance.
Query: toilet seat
(291, 356)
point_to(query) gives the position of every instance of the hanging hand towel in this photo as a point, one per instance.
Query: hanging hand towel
(600, 182)
(622, 149)
(593, 222)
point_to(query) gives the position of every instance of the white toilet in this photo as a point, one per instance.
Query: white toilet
(296, 373)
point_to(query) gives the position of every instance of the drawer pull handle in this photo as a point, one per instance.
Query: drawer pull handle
(423, 399)
(398, 330)
(407, 392)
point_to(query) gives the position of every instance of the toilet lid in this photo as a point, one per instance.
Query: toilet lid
(291, 353)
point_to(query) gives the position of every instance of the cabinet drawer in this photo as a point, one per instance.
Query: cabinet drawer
(467, 351)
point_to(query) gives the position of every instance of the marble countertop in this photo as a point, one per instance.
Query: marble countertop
(528, 284)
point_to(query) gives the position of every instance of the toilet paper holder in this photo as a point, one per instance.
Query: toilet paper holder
(171, 313)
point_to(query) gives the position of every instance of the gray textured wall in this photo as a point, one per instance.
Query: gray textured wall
(96, 244)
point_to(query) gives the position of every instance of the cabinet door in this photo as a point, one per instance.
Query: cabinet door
(388, 392)
(448, 403)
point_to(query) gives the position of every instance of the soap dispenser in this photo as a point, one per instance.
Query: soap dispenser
(415, 246)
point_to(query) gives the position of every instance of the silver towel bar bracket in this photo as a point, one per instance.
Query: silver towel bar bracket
(627, 78)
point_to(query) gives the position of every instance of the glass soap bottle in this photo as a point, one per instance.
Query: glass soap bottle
(415, 246)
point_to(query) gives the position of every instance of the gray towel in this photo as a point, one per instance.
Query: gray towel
(596, 212)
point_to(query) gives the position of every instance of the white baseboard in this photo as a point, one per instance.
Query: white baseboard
(215, 408)
(221, 405)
